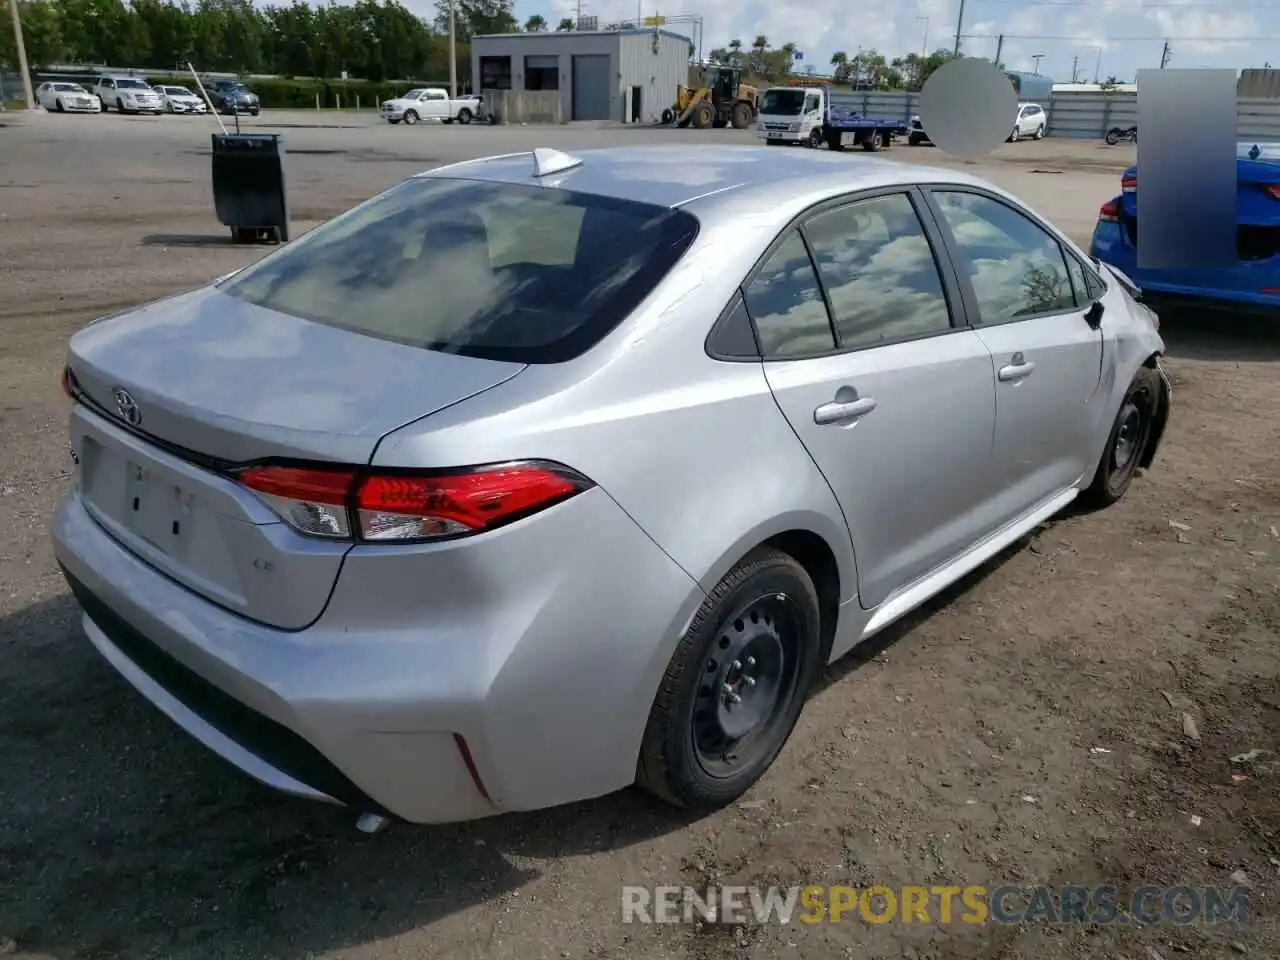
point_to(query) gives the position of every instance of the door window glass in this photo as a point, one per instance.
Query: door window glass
(786, 304)
(881, 277)
(1016, 268)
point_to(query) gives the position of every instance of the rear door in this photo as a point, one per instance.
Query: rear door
(889, 392)
(1048, 359)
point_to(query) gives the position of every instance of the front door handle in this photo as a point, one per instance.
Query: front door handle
(838, 411)
(1017, 368)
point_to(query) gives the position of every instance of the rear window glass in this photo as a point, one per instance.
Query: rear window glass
(528, 274)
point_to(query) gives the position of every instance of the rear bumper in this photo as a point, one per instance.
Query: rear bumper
(545, 669)
(1235, 288)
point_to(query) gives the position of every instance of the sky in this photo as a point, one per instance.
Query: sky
(1110, 37)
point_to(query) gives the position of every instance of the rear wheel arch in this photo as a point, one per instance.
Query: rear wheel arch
(819, 561)
(829, 566)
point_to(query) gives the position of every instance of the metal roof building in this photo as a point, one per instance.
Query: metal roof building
(622, 75)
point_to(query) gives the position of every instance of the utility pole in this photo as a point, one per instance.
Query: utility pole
(1164, 56)
(999, 49)
(453, 53)
(959, 27)
(22, 55)
(1075, 69)
(1037, 58)
(924, 41)
(1097, 67)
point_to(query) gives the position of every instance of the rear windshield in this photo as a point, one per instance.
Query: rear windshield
(501, 271)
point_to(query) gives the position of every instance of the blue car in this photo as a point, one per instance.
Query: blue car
(1251, 284)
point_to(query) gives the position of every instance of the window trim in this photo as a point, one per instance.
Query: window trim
(953, 248)
(953, 294)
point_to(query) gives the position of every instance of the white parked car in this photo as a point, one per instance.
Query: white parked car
(430, 103)
(128, 95)
(59, 96)
(1032, 122)
(180, 99)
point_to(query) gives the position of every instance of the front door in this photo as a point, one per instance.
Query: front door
(892, 400)
(1047, 358)
(435, 104)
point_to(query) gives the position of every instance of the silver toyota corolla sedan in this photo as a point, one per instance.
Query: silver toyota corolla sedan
(541, 475)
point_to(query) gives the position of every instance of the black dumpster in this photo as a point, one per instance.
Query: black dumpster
(248, 186)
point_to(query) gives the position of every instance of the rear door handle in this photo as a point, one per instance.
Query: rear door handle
(1016, 369)
(842, 412)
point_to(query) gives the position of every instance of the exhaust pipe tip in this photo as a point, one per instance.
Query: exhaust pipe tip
(372, 823)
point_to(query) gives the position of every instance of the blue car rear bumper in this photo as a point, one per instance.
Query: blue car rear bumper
(1253, 286)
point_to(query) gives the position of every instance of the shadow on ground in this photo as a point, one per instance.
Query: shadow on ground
(1219, 335)
(122, 837)
(196, 240)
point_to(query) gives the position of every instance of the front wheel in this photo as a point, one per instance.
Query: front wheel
(1013, 137)
(735, 685)
(1040, 133)
(464, 115)
(668, 115)
(60, 107)
(816, 138)
(411, 117)
(1127, 441)
(1113, 137)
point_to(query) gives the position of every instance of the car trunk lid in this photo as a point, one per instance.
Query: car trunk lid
(179, 393)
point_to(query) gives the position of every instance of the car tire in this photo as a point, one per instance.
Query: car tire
(120, 106)
(464, 115)
(411, 117)
(757, 637)
(1129, 436)
(915, 139)
(1040, 132)
(816, 138)
(1013, 137)
(58, 106)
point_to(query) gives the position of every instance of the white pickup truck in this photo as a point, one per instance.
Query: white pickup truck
(430, 103)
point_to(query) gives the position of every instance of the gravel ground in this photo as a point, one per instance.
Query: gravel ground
(122, 838)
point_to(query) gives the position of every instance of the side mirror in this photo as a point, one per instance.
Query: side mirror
(1093, 316)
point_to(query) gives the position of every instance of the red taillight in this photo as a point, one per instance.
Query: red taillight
(1110, 212)
(1129, 184)
(1272, 190)
(397, 506)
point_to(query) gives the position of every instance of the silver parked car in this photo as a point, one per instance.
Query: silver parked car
(539, 475)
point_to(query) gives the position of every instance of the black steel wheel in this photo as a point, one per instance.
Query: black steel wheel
(1127, 441)
(735, 685)
(816, 138)
(668, 115)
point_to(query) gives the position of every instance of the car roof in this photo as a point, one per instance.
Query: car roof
(705, 177)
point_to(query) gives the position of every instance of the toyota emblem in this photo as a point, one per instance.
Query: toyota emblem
(127, 407)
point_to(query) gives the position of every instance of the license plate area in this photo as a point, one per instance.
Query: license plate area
(156, 509)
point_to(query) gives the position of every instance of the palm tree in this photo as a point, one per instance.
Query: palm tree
(565, 25)
(735, 52)
(535, 24)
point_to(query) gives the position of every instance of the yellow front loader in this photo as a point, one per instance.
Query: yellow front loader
(722, 101)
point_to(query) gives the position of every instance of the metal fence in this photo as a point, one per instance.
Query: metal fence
(1089, 115)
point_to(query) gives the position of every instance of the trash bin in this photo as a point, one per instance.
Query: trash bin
(248, 186)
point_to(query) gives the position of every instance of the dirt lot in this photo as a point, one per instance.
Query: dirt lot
(121, 838)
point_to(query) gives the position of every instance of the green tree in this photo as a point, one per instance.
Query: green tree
(536, 24)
